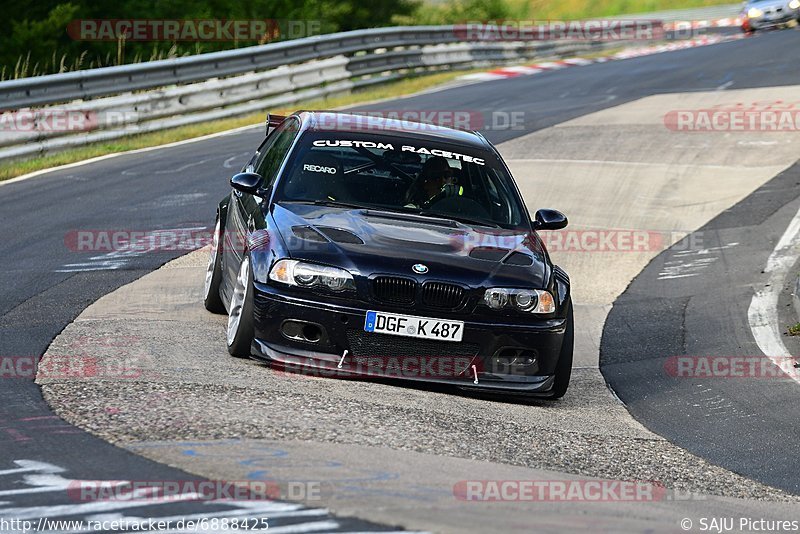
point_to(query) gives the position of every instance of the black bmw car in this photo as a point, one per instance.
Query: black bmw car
(358, 246)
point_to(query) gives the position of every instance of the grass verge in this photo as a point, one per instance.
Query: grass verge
(389, 90)
(794, 330)
(581, 9)
(456, 11)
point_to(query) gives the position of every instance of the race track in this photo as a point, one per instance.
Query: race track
(594, 145)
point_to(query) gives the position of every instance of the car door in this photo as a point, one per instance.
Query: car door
(244, 209)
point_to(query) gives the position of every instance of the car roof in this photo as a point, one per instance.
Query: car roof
(361, 123)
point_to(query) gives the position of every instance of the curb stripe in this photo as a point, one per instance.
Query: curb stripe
(527, 70)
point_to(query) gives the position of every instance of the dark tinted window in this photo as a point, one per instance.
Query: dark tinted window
(274, 150)
(402, 174)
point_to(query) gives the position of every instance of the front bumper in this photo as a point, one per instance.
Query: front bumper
(771, 20)
(492, 356)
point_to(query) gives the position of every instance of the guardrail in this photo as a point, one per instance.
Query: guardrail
(706, 13)
(156, 95)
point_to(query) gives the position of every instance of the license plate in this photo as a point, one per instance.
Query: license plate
(412, 326)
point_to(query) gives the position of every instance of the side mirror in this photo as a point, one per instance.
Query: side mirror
(549, 220)
(246, 182)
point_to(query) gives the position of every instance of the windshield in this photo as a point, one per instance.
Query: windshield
(409, 175)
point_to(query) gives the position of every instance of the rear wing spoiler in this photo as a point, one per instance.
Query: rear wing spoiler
(273, 121)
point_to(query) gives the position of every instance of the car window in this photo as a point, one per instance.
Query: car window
(273, 151)
(418, 175)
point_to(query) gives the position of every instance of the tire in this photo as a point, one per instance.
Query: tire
(564, 365)
(240, 330)
(211, 298)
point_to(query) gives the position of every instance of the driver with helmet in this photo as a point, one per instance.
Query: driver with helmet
(436, 180)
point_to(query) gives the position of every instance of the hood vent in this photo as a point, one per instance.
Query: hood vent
(489, 254)
(518, 258)
(508, 257)
(337, 235)
(309, 234)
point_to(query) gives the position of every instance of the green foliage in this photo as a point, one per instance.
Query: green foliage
(456, 11)
(34, 38)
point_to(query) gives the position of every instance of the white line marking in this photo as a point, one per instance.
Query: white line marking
(681, 264)
(131, 172)
(27, 466)
(550, 65)
(673, 277)
(763, 311)
(163, 240)
(60, 510)
(136, 151)
(610, 162)
(578, 61)
(315, 526)
(229, 163)
(43, 477)
(522, 69)
(756, 143)
(26, 491)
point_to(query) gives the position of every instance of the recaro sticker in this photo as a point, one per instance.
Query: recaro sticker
(319, 168)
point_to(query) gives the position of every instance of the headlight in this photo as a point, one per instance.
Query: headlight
(527, 300)
(298, 273)
(754, 12)
(794, 4)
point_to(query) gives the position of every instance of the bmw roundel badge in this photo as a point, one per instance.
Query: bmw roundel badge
(419, 268)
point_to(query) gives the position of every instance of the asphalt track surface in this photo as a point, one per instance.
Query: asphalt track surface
(749, 426)
(45, 285)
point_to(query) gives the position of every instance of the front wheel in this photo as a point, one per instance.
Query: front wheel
(564, 365)
(240, 317)
(211, 299)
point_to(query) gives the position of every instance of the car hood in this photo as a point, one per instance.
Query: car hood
(766, 4)
(369, 242)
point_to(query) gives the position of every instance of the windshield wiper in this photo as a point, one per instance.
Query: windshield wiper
(332, 203)
(399, 209)
(459, 218)
(441, 215)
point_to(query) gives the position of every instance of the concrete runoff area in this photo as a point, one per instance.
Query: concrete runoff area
(618, 169)
(796, 297)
